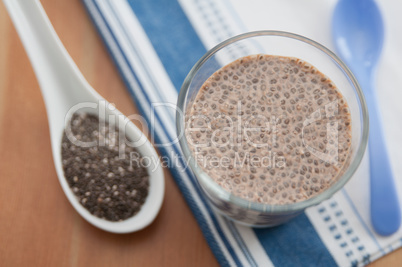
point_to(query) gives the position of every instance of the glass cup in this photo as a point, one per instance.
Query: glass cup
(281, 44)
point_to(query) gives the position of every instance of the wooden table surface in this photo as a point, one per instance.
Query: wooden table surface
(38, 226)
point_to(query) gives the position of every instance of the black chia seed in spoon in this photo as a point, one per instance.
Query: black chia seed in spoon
(108, 185)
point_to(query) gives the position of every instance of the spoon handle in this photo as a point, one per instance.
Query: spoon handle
(385, 207)
(50, 60)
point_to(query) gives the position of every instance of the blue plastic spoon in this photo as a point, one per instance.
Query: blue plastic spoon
(358, 33)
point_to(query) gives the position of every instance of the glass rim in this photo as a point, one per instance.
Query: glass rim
(263, 207)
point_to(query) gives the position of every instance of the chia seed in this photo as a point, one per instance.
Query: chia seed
(287, 94)
(107, 185)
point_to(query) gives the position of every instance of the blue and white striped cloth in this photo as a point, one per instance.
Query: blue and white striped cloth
(156, 42)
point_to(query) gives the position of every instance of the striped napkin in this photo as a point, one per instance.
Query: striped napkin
(156, 42)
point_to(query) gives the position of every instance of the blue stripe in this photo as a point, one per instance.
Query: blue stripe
(171, 35)
(352, 205)
(138, 55)
(240, 242)
(295, 244)
(204, 226)
(235, 15)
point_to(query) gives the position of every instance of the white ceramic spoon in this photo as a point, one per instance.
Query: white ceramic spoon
(64, 87)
